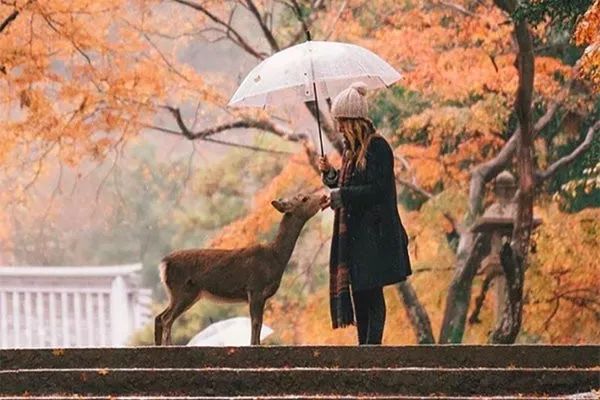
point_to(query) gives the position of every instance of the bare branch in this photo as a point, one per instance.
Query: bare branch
(414, 187)
(412, 184)
(217, 141)
(336, 19)
(546, 118)
(263, 26)
(305, 25)
(232, 34)
(247, 147)
(105, 178)
(170, 66)
(403, 160)
(285, 3)
(457, 7)
(40, 163)
(8, 20)
(50, 23)
(265, 125)
(486, 171)
(540, 176)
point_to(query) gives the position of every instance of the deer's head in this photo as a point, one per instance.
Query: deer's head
(302, 206)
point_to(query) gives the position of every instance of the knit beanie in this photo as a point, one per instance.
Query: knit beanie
(351, 103)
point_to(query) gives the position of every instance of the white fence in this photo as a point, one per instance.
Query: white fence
(71, 306)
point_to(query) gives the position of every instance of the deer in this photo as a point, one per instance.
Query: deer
(251, 274)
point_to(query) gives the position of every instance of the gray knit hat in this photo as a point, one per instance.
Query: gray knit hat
(351, 103)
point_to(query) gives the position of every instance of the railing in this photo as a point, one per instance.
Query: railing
(36, 312)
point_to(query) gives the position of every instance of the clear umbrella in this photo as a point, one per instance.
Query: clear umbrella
(229, 332)
(305, 71)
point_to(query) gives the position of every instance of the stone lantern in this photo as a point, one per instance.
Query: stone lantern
(498, 222)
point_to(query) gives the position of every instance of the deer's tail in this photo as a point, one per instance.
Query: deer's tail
(162, 269)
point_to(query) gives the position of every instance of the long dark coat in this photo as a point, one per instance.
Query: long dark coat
(378, 254)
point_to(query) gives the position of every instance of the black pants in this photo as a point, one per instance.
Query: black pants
(369, 306)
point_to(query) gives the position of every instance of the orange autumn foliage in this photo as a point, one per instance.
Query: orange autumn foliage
(80, 77)
(460, 58)
(297, 176)
(561, 288)
(310, 324)
(453, 56)
(474, 131)
(587, 34)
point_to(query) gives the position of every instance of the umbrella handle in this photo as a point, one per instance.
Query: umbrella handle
(308, 39)
(318, 117)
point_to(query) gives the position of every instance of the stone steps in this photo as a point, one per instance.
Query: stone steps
(313, 381)
(410, 372)
(583, 396)
(463, 356)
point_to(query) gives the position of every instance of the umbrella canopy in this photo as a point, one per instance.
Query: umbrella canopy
(303, 72)
(288, 76)
(229, 332)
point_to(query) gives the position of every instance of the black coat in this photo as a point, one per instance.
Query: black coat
(378, 254)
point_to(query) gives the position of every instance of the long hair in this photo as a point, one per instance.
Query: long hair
(357, 132)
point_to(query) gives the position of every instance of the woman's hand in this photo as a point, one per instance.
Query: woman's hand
(324, 165)
(333, 201)
(325, 202)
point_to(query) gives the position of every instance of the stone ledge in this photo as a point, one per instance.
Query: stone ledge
(313, 382)
(584, 396)
(451, 356)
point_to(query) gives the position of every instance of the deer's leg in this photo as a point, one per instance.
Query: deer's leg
(178, 307)
(257, 308)
(158, 326)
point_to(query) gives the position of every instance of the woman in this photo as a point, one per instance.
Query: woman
(369, 245)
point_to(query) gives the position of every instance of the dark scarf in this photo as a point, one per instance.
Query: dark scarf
(342, 313)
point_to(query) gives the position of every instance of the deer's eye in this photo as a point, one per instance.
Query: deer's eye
(305, 199)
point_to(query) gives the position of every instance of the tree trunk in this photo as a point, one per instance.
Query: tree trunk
(513, 257)
(416, 314)
(459, 293)
(497, 279)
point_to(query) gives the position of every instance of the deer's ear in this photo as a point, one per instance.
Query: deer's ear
(279, 206)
